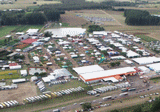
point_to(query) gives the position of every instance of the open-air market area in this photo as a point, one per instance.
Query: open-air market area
(95, 56)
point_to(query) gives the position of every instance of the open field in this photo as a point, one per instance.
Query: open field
(151, 31)
(73, 20)
(71, 84)
(24, 90)
(5, 74)
(5, 30)
(21, 4)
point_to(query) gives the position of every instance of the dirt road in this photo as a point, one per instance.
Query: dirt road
(74, 63)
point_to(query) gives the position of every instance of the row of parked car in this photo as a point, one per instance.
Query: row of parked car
(8, 87)
(8, 104)
(105, 89)
(58, 82)
(123, 85)
(69, 91)
(36, 98)
(41, 85)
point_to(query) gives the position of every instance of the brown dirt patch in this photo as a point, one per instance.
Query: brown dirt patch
(72, 19)
(23, 91)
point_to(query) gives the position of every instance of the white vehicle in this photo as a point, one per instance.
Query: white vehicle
(123, 94)
(6, 104)
(107, 98)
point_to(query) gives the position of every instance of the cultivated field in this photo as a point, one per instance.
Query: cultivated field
(23, 91)
(152, 31)
(73, 20)
(25, 3)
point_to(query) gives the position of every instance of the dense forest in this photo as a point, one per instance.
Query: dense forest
(31, 18)
(140, 17)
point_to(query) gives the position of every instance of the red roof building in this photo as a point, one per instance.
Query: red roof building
(29, 41)
(13, 64)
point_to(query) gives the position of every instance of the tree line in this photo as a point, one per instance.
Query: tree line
(140, 17)
(31, 18)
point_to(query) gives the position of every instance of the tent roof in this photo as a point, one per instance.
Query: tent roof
(88, 69)
(111, 78)
(146, 60)
(29, 41)
(107, 73)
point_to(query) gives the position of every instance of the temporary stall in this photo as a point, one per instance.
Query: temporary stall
(46, 79)
(132, 54)
(118, 57)
(128, 62)
(36, 59)
(18, 50)
(34, 78)
(62, 73)
(23, 72)
(82, 55)
(18, 80)
(74, 56)
(144, 69)
(111, 79)
(15, 67)
(112, 53)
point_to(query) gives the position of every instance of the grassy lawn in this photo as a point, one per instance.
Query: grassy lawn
(146, 38)
(71, 84)
(5, 30)
(24, 28)
(5, 74)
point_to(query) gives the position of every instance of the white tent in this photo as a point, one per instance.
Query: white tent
(111, 79)
(23, 72)
(131, 54)
(144, 69)
(118, 57)
(146, 60)
(128, 62)
(87, 69)
(155, 67)
(46, 79)
(34, 78)
(15, 67)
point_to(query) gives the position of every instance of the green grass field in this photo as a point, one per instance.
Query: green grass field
(5, 74)
(5, 30)
(146, 38)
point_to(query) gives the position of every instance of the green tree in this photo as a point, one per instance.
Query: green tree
(114, 110)
(137, 109)
(36, 74)
(117, 63)
(92, 28)
(86, 106)
(43, 74)
(112, 64)
(156, 105)
(48, 34)
(123, 54)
